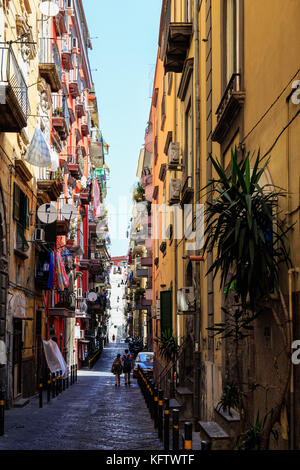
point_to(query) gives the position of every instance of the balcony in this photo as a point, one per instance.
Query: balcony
(177, 38)
(49, 190)
(14, 103)
(85, 197)
(75, 84)
(62, 227)
(84, 264)
(60, 116)
(60, 21)
(67, 56)
(141, 272)
(84, 127)
(187, 191)
(146, 261)
(80, 107)
(229, 108)
(64, 306)
(50, 66)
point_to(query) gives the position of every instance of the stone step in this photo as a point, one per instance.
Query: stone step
(21, 402)
(211, 431)
(229, 421)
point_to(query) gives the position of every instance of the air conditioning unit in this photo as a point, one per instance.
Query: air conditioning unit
(74, 43)
(186, 299)
(39, 235)
(175, 189)
(173, 153)
(81, 334)
(79, 293)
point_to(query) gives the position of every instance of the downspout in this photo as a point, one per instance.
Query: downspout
(197, 200)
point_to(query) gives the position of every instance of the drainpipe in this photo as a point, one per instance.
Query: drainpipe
(197, 189)
(291, 272)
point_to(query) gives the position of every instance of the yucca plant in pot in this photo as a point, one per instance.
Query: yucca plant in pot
(244, 231)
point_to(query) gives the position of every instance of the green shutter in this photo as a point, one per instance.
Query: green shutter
(166, 311)
(16, 207)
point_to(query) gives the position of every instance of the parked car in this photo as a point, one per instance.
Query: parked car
(144, 360)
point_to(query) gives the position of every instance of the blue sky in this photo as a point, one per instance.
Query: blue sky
(124, 55)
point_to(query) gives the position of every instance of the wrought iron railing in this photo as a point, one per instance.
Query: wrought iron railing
(234, 84)
(11, 75)
(49, 54)
(60, 108)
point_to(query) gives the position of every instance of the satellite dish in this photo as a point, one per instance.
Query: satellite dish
(49, 8)
(92, 296)
(69, 211)
(47, 213)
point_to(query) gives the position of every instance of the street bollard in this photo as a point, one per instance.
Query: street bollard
(175, 425)
(67, 380)
(205, 445)
(41, 393)
(155, 405)
(71, 377)
(53, 386)
(49, 387)
(166, 424)
(160, 413)
(2, 408)
(60, 381)
(188, 436)
(57, 383)
(64, 384)
(76, 370)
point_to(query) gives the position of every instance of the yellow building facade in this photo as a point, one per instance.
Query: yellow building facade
(226, 76)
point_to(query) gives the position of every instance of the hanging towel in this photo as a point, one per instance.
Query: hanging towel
(51, 271)
(97, 209)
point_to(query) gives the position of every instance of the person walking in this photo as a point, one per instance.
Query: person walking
(117, 369)
(127, 365)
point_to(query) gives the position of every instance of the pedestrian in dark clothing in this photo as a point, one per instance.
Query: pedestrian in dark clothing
(127, 366)
(117, 369)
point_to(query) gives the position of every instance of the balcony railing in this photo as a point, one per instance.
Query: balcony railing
(14, 103)
(66, 55)
(50, 66)
(229, 107)
(60, 115)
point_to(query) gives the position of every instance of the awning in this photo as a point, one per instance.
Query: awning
(38, 153)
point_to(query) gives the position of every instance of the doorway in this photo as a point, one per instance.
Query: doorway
(17, 357)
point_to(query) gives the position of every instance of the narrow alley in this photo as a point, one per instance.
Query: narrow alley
(90, 415)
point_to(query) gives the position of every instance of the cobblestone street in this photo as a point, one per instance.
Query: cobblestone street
(92, 414)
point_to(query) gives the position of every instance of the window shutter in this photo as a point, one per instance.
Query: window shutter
(16, 208)
(166, 313)
(27, 212)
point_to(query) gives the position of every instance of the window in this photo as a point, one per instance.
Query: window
(231, 40)
(166, 311)
(21, 207)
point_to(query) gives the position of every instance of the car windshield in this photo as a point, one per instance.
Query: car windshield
(146, 357)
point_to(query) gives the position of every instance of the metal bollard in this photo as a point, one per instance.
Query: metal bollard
(175, 425)
(205, 445)
(76, 370)
(155, 405)
(57, 383)
(49, 387)
(160, 413)
(151, 397)
(60, 381)
(64, 384)
(188, 436)
(167, 424)
(41, 393)
(2, 408)
(53, 386)
(71, 378)
(67, 380)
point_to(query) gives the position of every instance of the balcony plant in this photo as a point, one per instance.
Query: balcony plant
(139, 194)
(139, 294)
(58, 111)
(244, 230)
